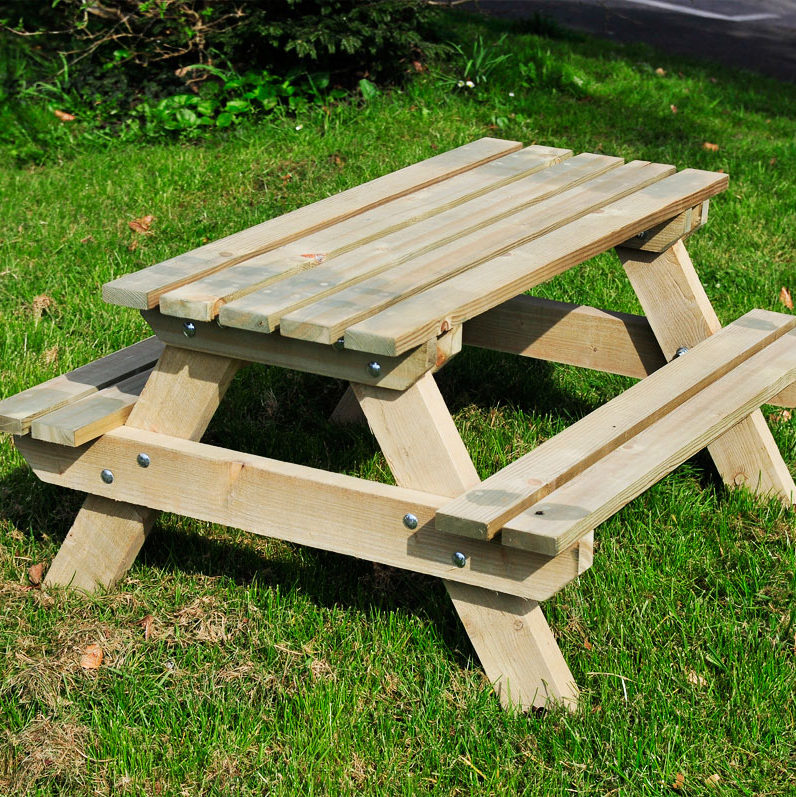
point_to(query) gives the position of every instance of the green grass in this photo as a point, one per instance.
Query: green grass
(276, 669)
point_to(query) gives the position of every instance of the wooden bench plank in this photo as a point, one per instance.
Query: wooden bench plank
(18, 411)
(304, 505)
(91, 417)
(482, 512)
(201, 299)
(326, 320)
(143, 289)
(463, 297)
(600, 491)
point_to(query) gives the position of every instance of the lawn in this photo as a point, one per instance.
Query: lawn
(237, 665)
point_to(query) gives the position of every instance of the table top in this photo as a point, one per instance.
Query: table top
(395, 262)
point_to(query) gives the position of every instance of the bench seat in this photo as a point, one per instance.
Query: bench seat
(83, 404)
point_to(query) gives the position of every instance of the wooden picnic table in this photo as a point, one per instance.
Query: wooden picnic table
(380, 286)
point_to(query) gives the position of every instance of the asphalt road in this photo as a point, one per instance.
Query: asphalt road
(752, 34)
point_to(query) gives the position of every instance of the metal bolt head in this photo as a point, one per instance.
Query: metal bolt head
(374, 368)
(410, 521)
(459, 559)
(681, 351)
(642, 235)
(339, 344)
(189, 329)
(143, 460)
(107, 476)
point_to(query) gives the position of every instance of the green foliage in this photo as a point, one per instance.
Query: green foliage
(544, 70)
(343, 37)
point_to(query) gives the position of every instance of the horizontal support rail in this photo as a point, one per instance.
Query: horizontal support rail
(395, 373)
(305, 505)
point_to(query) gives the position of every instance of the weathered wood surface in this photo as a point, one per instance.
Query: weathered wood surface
(278, 499)
(603, 489)
(389, 231)
(680, 314)
(142, 290)
(400, 326)
(327, 318)
(419, 245)
(91, 417)
(395, 373)
(482, 512)
(178, 399)
(510, 634)
(19, 411)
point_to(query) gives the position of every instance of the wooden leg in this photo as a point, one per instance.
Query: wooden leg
(510, 635)
(179, 399)
(681, 315)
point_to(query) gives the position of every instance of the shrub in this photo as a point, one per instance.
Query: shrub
(347, 38)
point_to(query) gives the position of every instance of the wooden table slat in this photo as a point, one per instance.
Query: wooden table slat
(201, 299)
(326, 320)
(402, 325)
(421, 244)
(142, 289)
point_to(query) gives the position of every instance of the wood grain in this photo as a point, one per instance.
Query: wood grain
(142, 289)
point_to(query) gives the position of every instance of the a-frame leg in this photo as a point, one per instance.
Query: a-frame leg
(680, 314)
(179, 399)
(510, 635)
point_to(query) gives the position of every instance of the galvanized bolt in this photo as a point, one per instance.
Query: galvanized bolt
(143, 460)
(339, 344)
(107, 476)
(374, 369)
(189, 329)
(459, 559)
(410, 521)
(681, 351)
(642, 235)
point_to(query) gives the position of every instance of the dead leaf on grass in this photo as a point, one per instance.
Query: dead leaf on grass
(711, 147)
(64, 116)
(785, 298)
(41, 305)
(679, 781)
(141, 225)
(695, 678)
(673, 108)
(50, 355)
(91, 658)
(660, 71)
(89, 239)
(36, 573)
(146, 623)
(713, 780)
(782, 416)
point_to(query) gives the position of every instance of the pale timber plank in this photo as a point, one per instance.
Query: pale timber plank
(202, 298)
(660, 237)
(396, 328)
(481, 513)
(179, 399)
(78, 423)
(326, 320)
(787, 398)
(18, 411)
(143, 289)
(510, 635)
(396, 373)
(419, 242)
(619, 343)
(603, 489)
(680, 314)
(312, 507)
